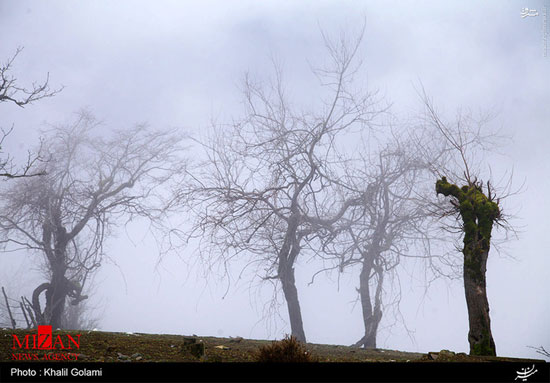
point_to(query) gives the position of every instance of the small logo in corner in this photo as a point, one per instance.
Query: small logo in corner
(526, 372)
(526, 12)
(25, 347)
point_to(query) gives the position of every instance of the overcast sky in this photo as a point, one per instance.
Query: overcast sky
(179, 63)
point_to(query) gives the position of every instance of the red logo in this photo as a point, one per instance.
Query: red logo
(45, 340)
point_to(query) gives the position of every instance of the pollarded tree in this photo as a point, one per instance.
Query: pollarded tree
(90, 185)
(474, 205)
(478, 213)
(269, 186)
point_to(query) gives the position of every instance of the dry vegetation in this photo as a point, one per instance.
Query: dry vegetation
(286, 350)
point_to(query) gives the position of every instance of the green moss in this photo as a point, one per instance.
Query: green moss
(481, 349)
(478, 214)
(484, 347)
(442, 186)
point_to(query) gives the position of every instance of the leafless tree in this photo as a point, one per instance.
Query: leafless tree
(270, 184)
(394, 221)
(83, 316)
(90, 185)
(12, 92)
(475, 207)
(19, 313)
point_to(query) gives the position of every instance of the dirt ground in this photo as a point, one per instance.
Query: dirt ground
(97, 346)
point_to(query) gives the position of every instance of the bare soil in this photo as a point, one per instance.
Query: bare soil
(98, 346)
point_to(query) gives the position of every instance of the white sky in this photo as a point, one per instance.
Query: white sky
(178, 63)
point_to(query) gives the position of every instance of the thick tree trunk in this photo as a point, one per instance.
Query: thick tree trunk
(293, 304)
(478, 215)
(480, 336)
(55, 298)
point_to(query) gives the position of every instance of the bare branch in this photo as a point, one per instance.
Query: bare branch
(91, 185)
(10, 91)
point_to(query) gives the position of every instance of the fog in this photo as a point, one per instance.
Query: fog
(179, 64)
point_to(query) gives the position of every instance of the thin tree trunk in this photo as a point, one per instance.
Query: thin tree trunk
(39, 315)
(30, 310)
(293, 304)
(371, 315)
(13, 323)
(287, 255)
(22, 307)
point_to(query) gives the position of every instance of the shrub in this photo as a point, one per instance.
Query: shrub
(286, 350)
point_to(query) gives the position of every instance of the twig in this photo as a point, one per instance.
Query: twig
(13, 323)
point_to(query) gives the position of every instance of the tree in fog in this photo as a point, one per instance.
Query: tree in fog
(12, 92)
(392, 222)
(91, 184)
(476, 210)
(82, 316)
(270, 186)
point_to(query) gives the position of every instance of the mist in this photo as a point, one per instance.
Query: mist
(179, 66)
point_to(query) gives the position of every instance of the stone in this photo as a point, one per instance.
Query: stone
(222, 347)
(122, 356)
(446, 353)
(433, 355)
(197, 349)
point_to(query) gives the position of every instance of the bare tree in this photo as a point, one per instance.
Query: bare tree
(270, 185)
(83, 316)
(474, 205)
(90, 185)
(392, 222)
(12, 92)
(20, 313)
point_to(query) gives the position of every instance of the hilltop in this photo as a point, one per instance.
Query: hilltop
(99, 346)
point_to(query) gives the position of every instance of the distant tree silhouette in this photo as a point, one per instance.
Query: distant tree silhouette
(270, 187)
(90, 184)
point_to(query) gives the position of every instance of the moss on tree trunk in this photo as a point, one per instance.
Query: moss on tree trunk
(478, 214)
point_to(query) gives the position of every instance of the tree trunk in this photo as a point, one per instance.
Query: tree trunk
(478, 215)
(293, 304)
(55, 297)
(480, 336)
(371, 316)
(287, 255)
